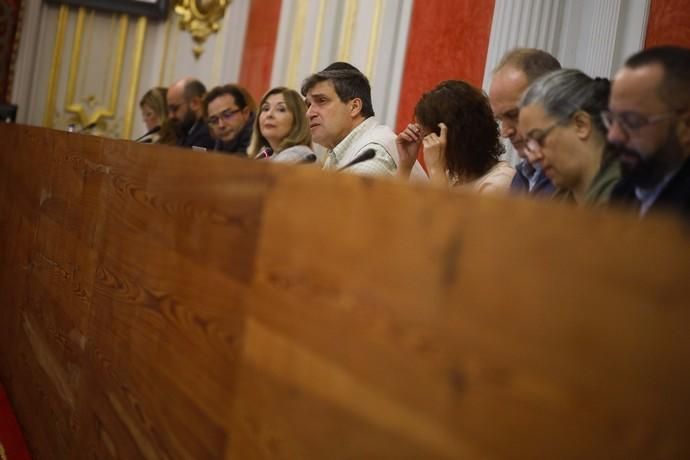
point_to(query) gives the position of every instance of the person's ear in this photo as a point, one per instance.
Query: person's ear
(196, 105)
(583, 124)
(683, 128)
(355, 107)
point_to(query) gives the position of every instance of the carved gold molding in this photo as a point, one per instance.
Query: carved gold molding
(317, 36)
(134, 84)
(297, 39)
(55, 66)
(200, 18)
(346, 30)
(80, 110)
(374, 40)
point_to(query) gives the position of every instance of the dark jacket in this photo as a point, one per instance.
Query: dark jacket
(520, 183)
(674, 197)
(197, 136)
(240, 143)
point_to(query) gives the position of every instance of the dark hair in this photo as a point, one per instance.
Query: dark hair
(340, 65)
(193, 88)
(349, 84)
(674, 89)
(566, 91)
(239, 94)
(473, 144)
(532, 61)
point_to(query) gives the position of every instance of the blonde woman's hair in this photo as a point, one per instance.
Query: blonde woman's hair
(300, 134)
(155, 100)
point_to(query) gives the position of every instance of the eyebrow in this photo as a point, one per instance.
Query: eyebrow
(531, 132)
(221, 111)
(317, 95)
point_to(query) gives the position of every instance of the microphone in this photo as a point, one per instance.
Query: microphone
(88, 127)
(367, 155)
(311, 158)
(153, 130)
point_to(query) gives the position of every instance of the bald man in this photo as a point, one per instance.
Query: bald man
(513, 75)
(185, 111)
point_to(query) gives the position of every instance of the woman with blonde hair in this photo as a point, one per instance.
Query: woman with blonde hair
(154, 111)
(281, 130)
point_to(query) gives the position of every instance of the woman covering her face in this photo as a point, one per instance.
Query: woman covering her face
(560, 119)
(281, 131)
(460, 138)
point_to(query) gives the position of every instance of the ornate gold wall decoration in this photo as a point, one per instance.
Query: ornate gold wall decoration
(200, 18)
(91, 112)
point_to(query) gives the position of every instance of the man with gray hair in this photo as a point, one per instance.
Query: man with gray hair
(514, 74)
(341, 118)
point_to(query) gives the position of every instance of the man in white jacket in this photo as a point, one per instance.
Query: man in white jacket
(341, 118)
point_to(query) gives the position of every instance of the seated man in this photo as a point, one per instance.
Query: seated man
(185, 112)
(649, 127)
(230, 112)
(513, 75)
(341, 118)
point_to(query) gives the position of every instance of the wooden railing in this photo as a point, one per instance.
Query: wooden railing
(163, 304)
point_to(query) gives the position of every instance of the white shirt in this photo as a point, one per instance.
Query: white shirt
(368, 135)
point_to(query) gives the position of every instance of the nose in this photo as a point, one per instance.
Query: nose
(507, 129)
(534, 157)
(311, 113)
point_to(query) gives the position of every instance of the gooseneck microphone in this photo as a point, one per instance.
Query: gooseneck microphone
(311, 158)
(367, 155)
(153, 130)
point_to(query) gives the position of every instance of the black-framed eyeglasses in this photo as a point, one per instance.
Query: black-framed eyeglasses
(632, 122)
(226, 115)
(535, 142)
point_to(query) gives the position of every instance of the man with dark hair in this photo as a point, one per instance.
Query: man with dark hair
(341, 118)
(230, 112)
(513, 75)
(649, 127)
(185, 111)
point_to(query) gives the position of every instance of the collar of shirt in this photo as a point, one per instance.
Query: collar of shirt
(335, 156)
(194, 127)
(647, 196)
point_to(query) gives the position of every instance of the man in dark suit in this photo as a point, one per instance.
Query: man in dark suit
(649, 127)
(185, 111)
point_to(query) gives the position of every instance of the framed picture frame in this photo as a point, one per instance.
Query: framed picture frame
(154, 9)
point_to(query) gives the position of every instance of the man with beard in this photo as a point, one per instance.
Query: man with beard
(516, 71)
(649, 127)
(185, 111)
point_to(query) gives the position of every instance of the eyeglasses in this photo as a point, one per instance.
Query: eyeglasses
(226, 115)
(536, 142)
(633, 121)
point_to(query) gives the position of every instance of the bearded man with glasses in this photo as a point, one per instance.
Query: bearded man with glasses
(648, 125)
(185, 112)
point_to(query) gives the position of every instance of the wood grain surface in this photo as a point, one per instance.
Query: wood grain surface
(168, 304)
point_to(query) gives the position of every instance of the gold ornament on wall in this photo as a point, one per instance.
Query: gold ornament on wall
(200, 18)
